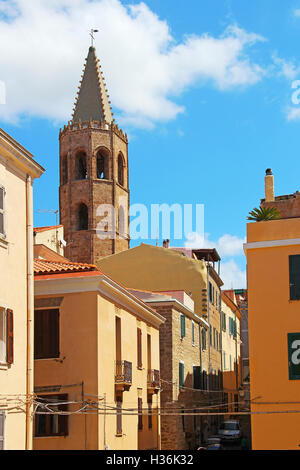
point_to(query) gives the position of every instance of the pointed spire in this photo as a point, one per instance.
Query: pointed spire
(92, 102)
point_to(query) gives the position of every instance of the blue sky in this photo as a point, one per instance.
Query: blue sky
(204, 90)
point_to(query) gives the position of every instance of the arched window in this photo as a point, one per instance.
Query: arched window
(120, 169)
(102, 165)
(64, 170)
(122, 221)
(81, 169)
(83, 217)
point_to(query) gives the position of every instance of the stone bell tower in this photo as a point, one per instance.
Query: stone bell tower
(94, 188)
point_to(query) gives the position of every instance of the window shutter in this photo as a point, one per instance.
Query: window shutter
(193, 332)
(182, 326)
(139, 348)
(181, 374)
(10, 337)
(294, 262)
(2, 418)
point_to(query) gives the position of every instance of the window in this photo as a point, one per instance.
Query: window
(182, 325)
(119, 416)
(197, 377)
(181, 374)
(140, 412)
(224, 360)
(81, 169)
(2, 221)
(102, 165)
(46, 334)
(223, 319)
(182, 420)
(2, 421)
(51, 424)
(121, 170)
(294, 262)
(6, 336)
(139, 348)
(83, 217)
(203, 333)
(210, 335)
(210, 292)
(230, 326)
(193, 333)
(214, 337)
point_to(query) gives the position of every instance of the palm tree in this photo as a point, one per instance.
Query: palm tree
(264, 213)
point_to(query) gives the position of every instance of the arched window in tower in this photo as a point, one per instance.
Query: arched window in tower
(102, 165)
(121, 169)
(122, 222)
(83, 217)
(81, 168)
(64, 170)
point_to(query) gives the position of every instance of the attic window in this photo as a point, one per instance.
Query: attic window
(121, 170)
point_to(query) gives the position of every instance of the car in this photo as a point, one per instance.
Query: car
(214, 447)
(230, 431)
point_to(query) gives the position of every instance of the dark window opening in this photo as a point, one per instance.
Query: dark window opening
(46, 334)
(83, 217)
(119, 416)
(81, 169)
(49, 424)
(120, 170)
(140, 412)
(294, 262)
(102, 166)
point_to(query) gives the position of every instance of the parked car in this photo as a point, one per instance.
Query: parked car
(230, 431)
(215, 447)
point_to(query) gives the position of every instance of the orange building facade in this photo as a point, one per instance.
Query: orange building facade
(273, 259)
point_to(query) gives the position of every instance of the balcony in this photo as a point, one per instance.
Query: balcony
(153, 381)
(123, 375)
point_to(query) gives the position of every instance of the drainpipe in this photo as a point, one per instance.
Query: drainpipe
(30, 306)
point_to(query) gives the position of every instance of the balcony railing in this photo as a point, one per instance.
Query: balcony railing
(123, 375)
(153, 381)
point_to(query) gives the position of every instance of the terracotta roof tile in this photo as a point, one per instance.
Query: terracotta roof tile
(44, 229)
(42, 266)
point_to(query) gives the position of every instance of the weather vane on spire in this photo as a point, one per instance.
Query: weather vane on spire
(92, 35)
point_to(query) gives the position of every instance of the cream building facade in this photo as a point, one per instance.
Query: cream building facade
(17, 173)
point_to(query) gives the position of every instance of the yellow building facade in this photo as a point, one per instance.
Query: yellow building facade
(231, 350)
(100, 371)
(17, 173)
(273, 254)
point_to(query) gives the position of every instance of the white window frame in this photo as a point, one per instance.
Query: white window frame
(2, 211)
(3, 320)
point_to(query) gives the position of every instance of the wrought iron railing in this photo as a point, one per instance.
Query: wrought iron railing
(123, 372)
(153, 378)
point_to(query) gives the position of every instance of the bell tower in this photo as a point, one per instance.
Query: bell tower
(94, 186)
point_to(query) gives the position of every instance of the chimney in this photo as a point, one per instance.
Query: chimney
(269, 186)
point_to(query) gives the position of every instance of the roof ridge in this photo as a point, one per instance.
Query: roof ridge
(65, 262)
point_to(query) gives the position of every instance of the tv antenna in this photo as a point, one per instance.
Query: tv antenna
(50, 211)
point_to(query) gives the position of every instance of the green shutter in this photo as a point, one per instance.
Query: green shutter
(182, 326)
(181, 374)
(294, 262)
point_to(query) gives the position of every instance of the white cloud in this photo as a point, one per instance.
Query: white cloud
(227, 245)
(297, 13)
(286, 68)
(43, 45)
(232, 275)
(292, 114)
